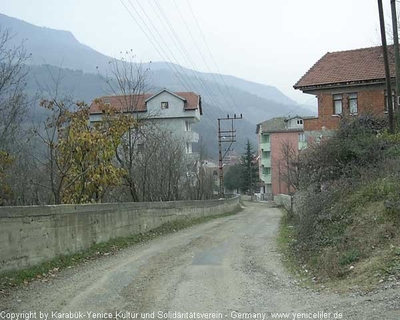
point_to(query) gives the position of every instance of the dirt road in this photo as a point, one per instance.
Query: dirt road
(228, 268)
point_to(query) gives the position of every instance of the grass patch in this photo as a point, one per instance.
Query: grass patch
(286, 241)
(349, 256)
(49, 269)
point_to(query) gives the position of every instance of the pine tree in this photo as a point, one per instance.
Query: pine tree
(249, 164)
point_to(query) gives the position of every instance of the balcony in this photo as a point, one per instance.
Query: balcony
(265, 146)
(266, 162)
(191, 136)
(266, 178)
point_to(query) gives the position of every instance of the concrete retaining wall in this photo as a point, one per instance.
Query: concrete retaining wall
(283, 200)
(30, 235)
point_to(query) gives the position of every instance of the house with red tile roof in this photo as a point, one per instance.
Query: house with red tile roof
(346, 83)
(173, 111)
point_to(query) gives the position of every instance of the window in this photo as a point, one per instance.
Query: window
(302, 137)
(386, 100)
(188, 126)
(188, 148)
(353, 103)
(267, 170)
(337, 103)
(300, 121)
(164, 105)
(266, 154)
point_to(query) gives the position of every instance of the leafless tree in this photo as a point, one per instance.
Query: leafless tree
(288, 166)
(13, 100)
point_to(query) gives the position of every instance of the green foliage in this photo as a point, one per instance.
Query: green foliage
(233, 178)
(356, 145)
(348, 257)
(249, 174)
(380, 189)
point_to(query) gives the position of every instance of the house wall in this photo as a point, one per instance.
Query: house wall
(175, 108)
(292, 123)
(34, 234)
(279, 186)
(371, 99)
(177, 127)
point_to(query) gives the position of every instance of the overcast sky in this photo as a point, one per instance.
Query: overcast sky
(273, 42)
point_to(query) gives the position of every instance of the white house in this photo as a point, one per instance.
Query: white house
(174, 111)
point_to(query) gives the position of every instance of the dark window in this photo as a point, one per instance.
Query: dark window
(300, 121)
(164, 105)
(337, 104)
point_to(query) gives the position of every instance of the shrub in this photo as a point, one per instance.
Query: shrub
(343, 180)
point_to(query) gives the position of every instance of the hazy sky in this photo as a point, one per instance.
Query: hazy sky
(268, 41)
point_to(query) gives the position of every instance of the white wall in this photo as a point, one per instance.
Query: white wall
(175, 108)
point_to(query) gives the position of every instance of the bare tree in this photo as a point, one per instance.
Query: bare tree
(13, 106)
(288, 166)
(13, 100)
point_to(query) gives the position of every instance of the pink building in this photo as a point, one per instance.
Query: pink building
(279, 141)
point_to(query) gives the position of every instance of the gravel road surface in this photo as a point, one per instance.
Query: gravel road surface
(228, 268)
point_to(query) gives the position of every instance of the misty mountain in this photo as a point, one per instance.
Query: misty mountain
(57, 53)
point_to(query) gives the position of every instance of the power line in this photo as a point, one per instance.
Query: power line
(212, 57)
(151, 41)
(186, 55)
(165, 44)
(160, 50)
(195, 42)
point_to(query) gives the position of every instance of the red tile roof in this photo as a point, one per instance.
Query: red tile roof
(137, 102)
(352, 66)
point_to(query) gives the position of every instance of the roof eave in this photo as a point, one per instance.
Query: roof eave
(164, 90)
(283, 131)
(355, 83)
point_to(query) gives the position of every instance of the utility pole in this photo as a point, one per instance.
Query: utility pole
(396, 52)
(387, 70)
(225, 136)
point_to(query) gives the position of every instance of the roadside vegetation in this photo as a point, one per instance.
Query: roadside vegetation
(347, 221)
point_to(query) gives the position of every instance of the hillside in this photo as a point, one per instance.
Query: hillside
(345, 232)
(82, 69)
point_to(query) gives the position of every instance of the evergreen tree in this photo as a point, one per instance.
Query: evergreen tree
(249, 163)
(233, 178)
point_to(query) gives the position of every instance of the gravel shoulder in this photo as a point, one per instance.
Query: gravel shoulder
(228, 266)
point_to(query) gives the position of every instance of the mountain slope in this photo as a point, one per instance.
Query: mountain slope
(54, 47)
(61, 48)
